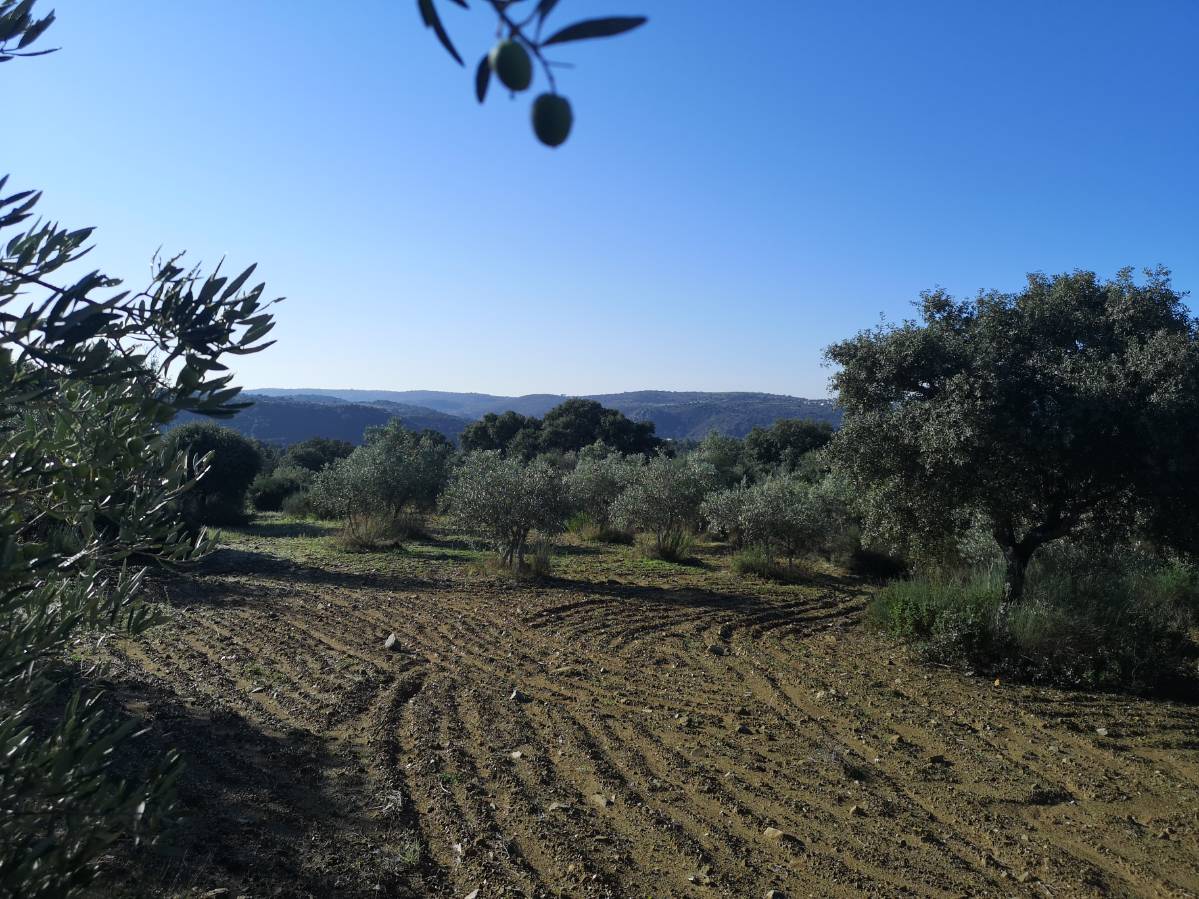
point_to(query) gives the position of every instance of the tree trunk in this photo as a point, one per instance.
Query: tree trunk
(1016, 557)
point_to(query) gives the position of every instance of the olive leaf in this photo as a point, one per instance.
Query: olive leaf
(590, 28)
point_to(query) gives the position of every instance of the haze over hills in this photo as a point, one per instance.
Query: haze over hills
(286, 415)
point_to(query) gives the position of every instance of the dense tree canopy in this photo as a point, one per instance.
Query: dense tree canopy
(316, 452)
(577, 423)
(568, 427)
(501, 432)
(783, 445)
(1066, 408)
(232, 463)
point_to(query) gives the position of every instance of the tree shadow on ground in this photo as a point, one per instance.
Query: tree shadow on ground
(840, 604)
(215, 580)
(285, 529)
(257, 813)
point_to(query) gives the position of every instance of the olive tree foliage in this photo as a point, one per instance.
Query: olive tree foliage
(1065, 409)
(88, 374)
(723, 511)
(519, 25)
(785, 514)
(504, 500)
(664, 498)
(395, 469)
(596, 481)
(727, 456)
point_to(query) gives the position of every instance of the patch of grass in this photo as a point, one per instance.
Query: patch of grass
(584, 527)
(1117, 622)
(368, 533)
(757, 561)
(671, 546)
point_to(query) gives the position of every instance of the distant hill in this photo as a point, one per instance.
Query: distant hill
(676, 415)
(290, 419)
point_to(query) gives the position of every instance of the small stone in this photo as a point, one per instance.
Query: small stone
(518, 696)
(392, 642)
(1102, 731)
(219, 891)
(775, 894)
(517, 755)
(857, 811)
(257, 689)
(473, 894)
(774, 835)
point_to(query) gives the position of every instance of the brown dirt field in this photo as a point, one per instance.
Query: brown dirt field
(670, 721)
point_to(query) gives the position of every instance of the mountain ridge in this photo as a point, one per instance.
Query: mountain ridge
(676, 414)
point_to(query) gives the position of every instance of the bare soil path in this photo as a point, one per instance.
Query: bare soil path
(626, 728)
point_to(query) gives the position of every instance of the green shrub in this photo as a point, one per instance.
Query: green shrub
(785, 516)
(1120, 621)
(298, 505)
(595, 483)
(268, 491)
(585, 527)
(723, 512)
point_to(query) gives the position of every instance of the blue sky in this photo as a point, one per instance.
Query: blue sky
(745, 183)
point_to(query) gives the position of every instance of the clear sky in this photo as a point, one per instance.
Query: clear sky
(746, 182)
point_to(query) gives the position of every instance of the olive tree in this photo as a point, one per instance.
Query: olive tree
(727, 456)
(788, 515)
(394, 470)
(664, 500)
(503, 500)
(723, 510)
(596, 482)
(1066, 408)
(88, 374)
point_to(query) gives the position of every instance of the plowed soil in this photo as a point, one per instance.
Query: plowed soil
(623, 728)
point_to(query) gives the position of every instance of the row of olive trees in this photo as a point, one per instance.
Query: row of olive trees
(668, 499)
